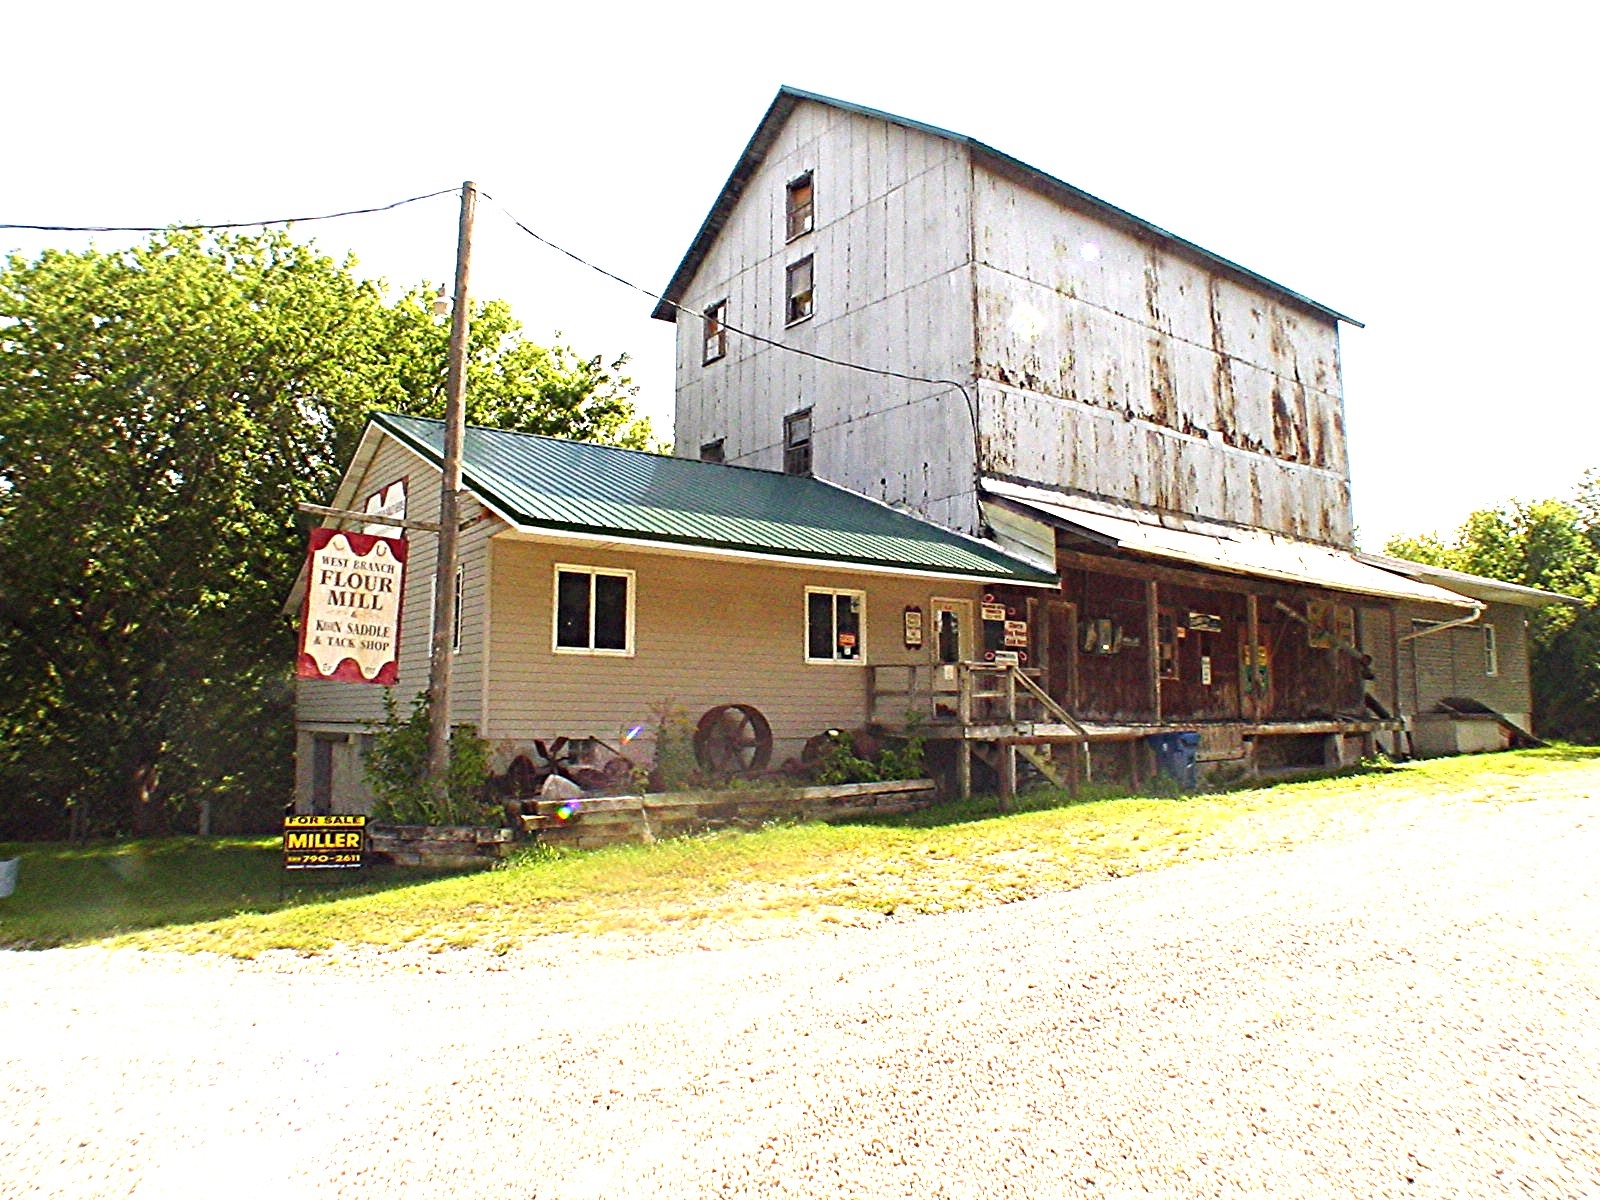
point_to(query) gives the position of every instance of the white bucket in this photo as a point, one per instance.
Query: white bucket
(8, 876)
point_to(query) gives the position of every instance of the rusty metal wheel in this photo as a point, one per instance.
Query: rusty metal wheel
(733, 739)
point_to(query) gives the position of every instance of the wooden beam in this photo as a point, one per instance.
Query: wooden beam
(1008, 776)
(366, 518)
(1205, 580)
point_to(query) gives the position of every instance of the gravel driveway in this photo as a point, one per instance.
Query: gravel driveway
(1410, 1011)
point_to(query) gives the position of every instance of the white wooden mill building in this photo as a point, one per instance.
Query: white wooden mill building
(1158, 424)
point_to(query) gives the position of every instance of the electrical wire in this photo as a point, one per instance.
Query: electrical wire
(349, 212)
(972, 410)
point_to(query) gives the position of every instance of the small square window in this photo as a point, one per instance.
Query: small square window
(712, 451)
(716, 332)
(797, 443)
(798, 207)
(834, 625)
(798, 305)
(593, 611)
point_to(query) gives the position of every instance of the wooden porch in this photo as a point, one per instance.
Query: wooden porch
(1001, 715)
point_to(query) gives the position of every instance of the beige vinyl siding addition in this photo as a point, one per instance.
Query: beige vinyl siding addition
(707, 632)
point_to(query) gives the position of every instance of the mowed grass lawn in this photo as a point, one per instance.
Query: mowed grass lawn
(224, 894)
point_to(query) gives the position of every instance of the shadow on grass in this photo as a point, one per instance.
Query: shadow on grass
(70, 893)
(1044, 799)
(1566, 752)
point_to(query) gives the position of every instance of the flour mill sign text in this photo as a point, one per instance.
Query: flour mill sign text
(350, 629)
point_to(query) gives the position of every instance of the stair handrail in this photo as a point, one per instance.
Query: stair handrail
(1049, 704)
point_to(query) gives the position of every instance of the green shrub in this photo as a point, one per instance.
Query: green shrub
(901, 758)
(676, 767)
(397, 771)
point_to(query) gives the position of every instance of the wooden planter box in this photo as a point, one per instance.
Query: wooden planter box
(438, 845)
(604, 820)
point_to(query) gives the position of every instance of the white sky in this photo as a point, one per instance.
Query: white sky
(1424, 168)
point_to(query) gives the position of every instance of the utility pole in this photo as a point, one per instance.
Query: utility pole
(444, 577)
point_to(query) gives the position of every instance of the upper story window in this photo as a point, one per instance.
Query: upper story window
(715, 331)
(593, 610)
(797, 443)
(834, 621)
(797, 207)
(1491, 651)
(713, 451)
(797, 290)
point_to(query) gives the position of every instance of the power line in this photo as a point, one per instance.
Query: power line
(755, 337)
(349, 212)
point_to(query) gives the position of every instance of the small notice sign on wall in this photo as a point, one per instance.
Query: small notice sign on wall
(312, 842)
(913, 627)
(350, 628)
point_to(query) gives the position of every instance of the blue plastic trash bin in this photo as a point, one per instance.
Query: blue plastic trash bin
(1178, 757)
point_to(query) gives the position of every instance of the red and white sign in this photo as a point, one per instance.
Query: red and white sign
(386, 502)
(350, 628)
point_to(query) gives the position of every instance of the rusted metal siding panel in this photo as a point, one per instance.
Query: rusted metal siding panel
(1123, 371)
(892, 289)
(707, 632)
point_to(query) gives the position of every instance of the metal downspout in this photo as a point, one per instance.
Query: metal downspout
(1477, 612)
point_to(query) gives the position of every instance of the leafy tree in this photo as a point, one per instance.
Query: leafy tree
(1550, 544)
(165, 408)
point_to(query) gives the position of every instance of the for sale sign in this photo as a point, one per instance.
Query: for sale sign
(311, 842)
(350, 629)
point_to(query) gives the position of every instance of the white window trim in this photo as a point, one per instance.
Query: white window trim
(458, 615)
(1491, 651)
(433, 608)
(859, 660)
(591, 650)
(964, 630)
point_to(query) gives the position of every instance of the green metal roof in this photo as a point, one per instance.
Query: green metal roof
(578, 487)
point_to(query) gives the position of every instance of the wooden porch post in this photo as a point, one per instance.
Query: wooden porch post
(1152, 632)
(1252, 621)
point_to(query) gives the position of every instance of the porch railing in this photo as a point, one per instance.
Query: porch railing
(966, 693)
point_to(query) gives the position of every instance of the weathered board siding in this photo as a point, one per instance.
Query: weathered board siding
(707, 632)
(892, 289)
(335, 706)
(1306, 682)
(1118, 369)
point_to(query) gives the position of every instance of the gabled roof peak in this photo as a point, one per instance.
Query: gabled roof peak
(789, 98)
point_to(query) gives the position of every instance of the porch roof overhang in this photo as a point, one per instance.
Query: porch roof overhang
(1215, 547)
(579, 490)
(1492, 591)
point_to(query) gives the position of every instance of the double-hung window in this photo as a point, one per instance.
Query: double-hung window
(835, 624)
(593, 610)
(798, 207)
(715, 332)
(797, 292)
(797, 443)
